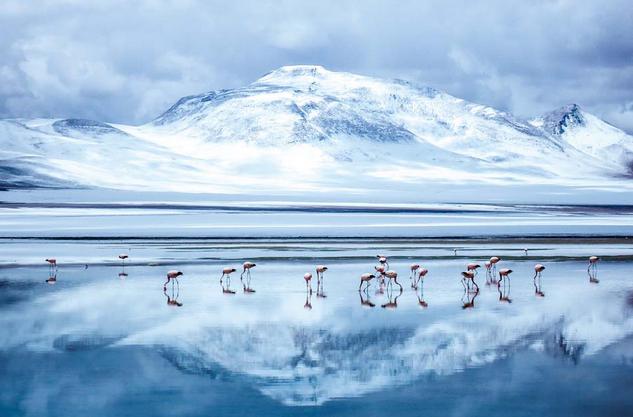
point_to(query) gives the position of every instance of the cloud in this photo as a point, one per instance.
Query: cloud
(122, 62)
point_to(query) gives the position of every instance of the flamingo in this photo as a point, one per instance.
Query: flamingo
(381, 286)
(538, 269)
(414, 268)
(393, 275)
(172, 275)
(383, 261)
(123, 257)
(227, 272)
(473, 267)
(420, 278)
(505, 295)
(320, 269)
(366, 277)
(592, 269)
(526, 251)
(493, 265)
(52, 265)
(247, 270)
(467, 277)
(308, 278)
(489, 277)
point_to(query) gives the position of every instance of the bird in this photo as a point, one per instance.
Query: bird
(381, 283)
(538, 269)
(526, 251)
(226, 272)
(454, 252)
(320, 269)
(489, 276)
(467, 278)
(52, 265)
(473, 267)
(592, 269)
(171, 275)
(505, 294)
(412, 276)
(421, 275)
(493, 265)
(308, 278)
(366, 277)
(393, 275)
(383, 261)
(123, 257)
(247, 270)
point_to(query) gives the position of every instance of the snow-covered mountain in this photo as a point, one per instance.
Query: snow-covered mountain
(304, 128)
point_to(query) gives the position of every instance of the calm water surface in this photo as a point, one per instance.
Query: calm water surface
(106, 340)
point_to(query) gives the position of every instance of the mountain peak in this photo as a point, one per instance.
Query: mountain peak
(294, 71)
(563, 119)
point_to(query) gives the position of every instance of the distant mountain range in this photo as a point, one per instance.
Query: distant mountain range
(303, 129)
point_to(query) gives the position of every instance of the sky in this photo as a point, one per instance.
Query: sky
(127, 62)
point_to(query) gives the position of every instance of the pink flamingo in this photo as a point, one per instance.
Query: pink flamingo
(493, 262)
(473, 267)
(123, 257)
(420, 278)
(489, 277)
(172, 275)
(592, 269)
(366, 277)
(247, 270)
(226, 272)
(414, 268)
(538, 270)
(505, 295)
(52, 265)
(381, 283)
(467, 278)
(308, 278)
(383, 261)
(393, 275)
(320, 269)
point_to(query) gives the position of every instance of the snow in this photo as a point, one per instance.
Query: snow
(302, 129)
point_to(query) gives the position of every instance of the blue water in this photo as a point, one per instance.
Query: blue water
(102, 344)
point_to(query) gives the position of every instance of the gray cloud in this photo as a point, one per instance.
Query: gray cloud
(113, 61)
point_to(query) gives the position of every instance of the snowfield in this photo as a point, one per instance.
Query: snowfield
(304, 129)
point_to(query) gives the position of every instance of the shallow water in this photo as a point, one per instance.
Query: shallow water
(100, 343)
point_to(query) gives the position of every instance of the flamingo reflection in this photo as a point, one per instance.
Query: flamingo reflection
(52, 279)
(468, 299)
(421, 302)
(247, 266)
(393, 301)
(592, 269)
(504, 277)
(538, 270)
(365, 301)
(226, 273)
